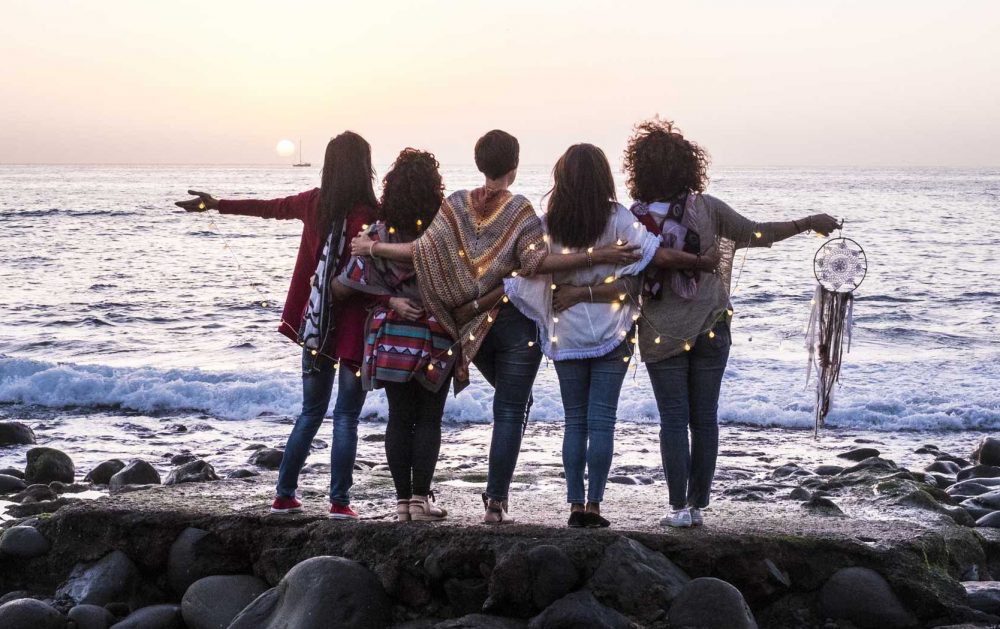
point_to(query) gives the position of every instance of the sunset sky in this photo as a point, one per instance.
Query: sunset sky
(758, 83)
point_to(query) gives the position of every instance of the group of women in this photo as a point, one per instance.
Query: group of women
(406, 292)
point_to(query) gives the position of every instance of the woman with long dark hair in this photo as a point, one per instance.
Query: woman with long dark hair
(684, 336)
(585, 316)
(329, 333)
(406, 349)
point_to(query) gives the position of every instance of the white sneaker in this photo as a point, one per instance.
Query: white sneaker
(678, 518)
(696, 518)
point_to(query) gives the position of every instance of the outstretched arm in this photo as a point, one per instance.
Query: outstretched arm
(285, 208)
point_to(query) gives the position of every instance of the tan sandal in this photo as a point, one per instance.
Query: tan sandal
(403, 510)
(496, 511)
(423, 509)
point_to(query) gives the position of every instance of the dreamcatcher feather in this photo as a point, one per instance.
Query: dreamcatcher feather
(840, 266)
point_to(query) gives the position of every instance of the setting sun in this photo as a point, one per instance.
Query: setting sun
(285, 148)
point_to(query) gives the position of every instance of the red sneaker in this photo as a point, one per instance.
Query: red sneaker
(342, 512)
(286, 505)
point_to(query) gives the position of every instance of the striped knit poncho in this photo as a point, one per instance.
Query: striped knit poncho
(477, 238)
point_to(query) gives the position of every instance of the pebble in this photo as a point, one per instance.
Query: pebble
(48, 464)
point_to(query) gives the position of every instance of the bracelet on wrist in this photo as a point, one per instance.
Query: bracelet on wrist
(591, 291)
(590, 259)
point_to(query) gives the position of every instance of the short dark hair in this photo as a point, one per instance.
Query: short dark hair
(497, 153)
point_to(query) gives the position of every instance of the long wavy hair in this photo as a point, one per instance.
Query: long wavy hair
(412, 192)
(581, 198)
(661, 164)
(347, 180)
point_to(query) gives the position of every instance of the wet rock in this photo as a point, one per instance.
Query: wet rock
(213, 602)
(990, 520)
(137, 472)
(943, 467)
(800, 494)
(268, 458)
(975, 510)
(983, 596)
(24, 542)
(829, 470)
(181, 459)
(636, 580)
(101, 475)
(242, 472)
(527, 580)
(48, 464)
(928, 449)
(153, 617)
(35, 493)
(960, 515)
(13, 596)
(352, 598)
(974, 487)
(16, 434)
(874, 464)
(197, 554)
(823, 506)
(789, 470)
(11, 484)
(194, 472)
(621, 479)
(979, 471)
(27, 613)
(987, 452)
(859, 454)
(579, 610)
(481, 621)
(91, 617)
(863, 597)
(111, 579)
(466, 596)
(989, 500)
(708, 602)
(375, 437)
(954, 459)
(12, 471)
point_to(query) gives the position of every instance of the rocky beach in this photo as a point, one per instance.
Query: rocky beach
(855, 529)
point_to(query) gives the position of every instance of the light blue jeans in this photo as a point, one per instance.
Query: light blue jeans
(590, 388)
(318, 374)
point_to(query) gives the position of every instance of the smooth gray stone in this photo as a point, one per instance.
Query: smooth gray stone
(101, 475)
(579, 610)
(865, 598)
(48, 464)
(859, 454)
(197, 554)
(137, 472)
(213, 602)
(988, 451)
(268, 458)
(111, 579)
(153, 617)
(983, 595)
(194, 472)
(11, 484)
(991, 520)
(24, 542)
(636, 580)
(28, 613)
(91, 617)
(708, 602)
(16, 434)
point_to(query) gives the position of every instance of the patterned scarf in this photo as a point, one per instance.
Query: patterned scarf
(318, 321)
(674, 234)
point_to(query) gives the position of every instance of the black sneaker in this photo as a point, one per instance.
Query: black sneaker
(594, 521)
(577, 520)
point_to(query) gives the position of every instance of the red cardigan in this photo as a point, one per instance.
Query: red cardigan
(347, 340)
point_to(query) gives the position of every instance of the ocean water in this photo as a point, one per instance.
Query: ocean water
(116, 303)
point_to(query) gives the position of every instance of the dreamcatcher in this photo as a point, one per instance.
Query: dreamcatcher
(840, 266)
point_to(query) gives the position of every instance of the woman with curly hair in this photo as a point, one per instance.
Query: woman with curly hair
(684, 337)
(407, 352)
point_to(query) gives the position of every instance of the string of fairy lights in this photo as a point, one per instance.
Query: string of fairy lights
(625, 296)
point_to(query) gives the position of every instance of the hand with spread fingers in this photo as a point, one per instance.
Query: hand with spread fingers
(202, 202)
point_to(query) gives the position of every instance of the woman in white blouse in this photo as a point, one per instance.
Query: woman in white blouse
(585, 325)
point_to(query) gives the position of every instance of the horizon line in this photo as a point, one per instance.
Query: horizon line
(535, 164)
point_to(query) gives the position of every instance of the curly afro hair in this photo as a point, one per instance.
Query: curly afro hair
(412, 192)
(661, 165)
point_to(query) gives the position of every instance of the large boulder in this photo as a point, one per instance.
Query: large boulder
(16, 434)
(213, 602)
(153, 617)
(137, 472)
(321, 592)
(10, 484)
(527, 580)
(194, 472)
(197, 554)
(708, 603)
(101, 475)
(637, 581)
(111, 579)
(987, 452)
(481, 621)
(863, 597)
(983, 596)
(268, 458)
(24, 542)
(979, 471)
(48, 464)
(27, 613)
(579, 610)
(91, 617)
(989, 520)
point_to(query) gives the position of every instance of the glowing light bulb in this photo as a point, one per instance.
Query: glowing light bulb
(451, 353)
(430, 367)
(201, 206)
(365, 227)
(621, 296)
(590, 250)
(357, 374)
(615, 306)
(656, 340)
(545, 238)
(609, 279)
(711, 334)
(263, 304)
(513, 273)
(419, 222)
(625, 358)
(619, 242)
(635, 317)
(553, 287)
(758, 234)
(392, 230)
(636, 224)
(489, 318)
(633, 340)
(687, 346)
(531, 246)
(505, 299)
(554, 339)
(622, 333)
(566, 250)
(531, 343)
(461, 253)
(555, 319)
(472, 337)
(729, 312)
(313, 352)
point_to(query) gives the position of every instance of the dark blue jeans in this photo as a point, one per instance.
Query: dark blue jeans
(687, 387)
(318, 374)
(590, 388)
(510, 365)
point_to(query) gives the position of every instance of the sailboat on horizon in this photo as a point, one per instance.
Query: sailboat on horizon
(301, 164)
